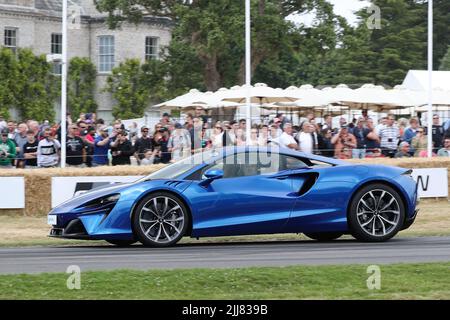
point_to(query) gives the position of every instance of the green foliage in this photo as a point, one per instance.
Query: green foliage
(445, 62)
(36, 87)
(81, 86)
(133, 86)
(208, 45)
(8, 85)
(207, 48)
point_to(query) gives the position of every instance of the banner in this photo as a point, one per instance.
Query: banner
(12, 193)
(65, 188)
(432, 182)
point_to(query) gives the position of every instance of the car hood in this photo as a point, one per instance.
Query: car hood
(129, 191)
(90, 195)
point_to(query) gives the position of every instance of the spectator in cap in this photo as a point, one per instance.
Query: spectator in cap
(7, 150)
(403, 150)
(102, 144)
(30, 151)
(143, 144)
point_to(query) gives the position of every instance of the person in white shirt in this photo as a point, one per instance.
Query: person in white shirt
(286, 140)
(306, 139)
(48, 150)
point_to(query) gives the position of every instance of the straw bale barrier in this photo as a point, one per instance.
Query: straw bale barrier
(38, 181)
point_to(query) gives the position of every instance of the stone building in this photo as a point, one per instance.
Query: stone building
(36, 24)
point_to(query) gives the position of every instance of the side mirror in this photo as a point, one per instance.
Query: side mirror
(213, 174)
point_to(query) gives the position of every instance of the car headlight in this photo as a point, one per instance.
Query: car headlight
(105, 204)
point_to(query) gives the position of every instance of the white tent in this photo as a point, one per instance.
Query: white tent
(418, 80)
(372, 97)
(307, 96)
(259, 93)
(338, 94)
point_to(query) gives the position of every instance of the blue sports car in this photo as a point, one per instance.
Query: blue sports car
(243, 191)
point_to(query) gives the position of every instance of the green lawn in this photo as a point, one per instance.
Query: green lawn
(399, 281)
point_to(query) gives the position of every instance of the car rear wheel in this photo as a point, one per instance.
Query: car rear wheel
(160, 220)
(121, 243)
(323, 236)
(377, 213)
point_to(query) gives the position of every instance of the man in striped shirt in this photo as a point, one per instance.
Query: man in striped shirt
(389, 136)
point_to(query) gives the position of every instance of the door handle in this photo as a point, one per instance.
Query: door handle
(282, 177)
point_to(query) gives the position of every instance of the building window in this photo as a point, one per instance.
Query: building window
(11, 38)
(56, 43)
(105, 53)
(151, 48)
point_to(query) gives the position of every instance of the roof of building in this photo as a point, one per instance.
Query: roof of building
(50, 5)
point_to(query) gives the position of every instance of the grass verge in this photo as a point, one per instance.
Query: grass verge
(399, 281)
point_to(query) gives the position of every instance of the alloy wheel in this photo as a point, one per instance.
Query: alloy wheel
(378, 212)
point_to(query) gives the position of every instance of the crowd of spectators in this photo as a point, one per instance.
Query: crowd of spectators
(90, 142)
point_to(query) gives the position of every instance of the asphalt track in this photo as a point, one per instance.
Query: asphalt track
(226, 255)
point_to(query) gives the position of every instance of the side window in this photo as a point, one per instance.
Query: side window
(254, 163)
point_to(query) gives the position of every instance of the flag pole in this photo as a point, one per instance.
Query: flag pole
(247, 69)
(430, 79)
(64, 84)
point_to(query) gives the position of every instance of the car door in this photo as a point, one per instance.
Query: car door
(251, 198)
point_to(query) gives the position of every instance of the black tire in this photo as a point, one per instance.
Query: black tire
(377, 225)
(164, 232)
(122, 243)
(324, 236)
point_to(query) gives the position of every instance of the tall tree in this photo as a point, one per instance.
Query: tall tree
(81, 86)
(214, 31)
(37, 87)
(9, 74)
(134, 86)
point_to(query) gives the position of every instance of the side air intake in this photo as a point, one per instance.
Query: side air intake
(311, 178)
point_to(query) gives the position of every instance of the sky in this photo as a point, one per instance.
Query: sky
(343, 8)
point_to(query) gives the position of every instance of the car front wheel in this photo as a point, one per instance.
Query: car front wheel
(160, 220)
(376, 213)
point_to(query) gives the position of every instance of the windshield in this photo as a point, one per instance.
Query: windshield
(174, 170)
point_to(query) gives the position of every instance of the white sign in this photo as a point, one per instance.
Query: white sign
(65, 188)
(12, 193)
(432, 182)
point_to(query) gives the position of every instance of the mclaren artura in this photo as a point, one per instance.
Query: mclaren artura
(245, 191)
